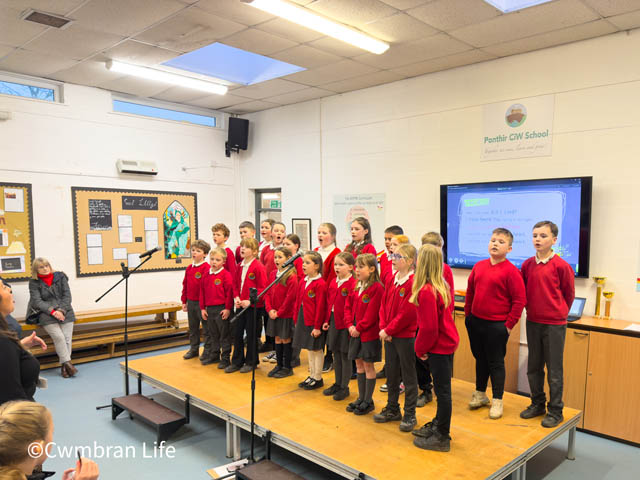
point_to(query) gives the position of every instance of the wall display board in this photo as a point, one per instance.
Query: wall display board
(16, 231)
(112, 226)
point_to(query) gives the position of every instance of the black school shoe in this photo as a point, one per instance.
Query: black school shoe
(426, 430)
(388, 414)
(551, 420)
(436, 442)
(341, 394)
(304, 382)
(223, 364)
(353, 405)
(408, 423)
(331, 390)
(532, 411)
(232, 368)
(314, 384)
(283, 372)
(190, 354)
(364, 408)
(274, 370)
(424, 398)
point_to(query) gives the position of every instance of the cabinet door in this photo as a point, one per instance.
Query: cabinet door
(613, 389)
(576, 353)
(464, 365)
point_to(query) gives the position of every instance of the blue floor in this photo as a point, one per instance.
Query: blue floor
(128, 446)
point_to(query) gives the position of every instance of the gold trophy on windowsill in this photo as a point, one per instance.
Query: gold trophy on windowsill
(600, 282)
(607, 306)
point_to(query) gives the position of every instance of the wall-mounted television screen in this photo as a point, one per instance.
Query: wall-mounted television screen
(470, 212)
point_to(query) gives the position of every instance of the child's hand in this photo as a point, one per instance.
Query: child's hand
(205, 315)
(509, 330)
(87, 470)
(383, 335)
(273, 314)
(236, 302)
(184, 307)
(424, 357)
(225, 314)
(315, 333)
(354, 332)
(325, 326)
(245, 303)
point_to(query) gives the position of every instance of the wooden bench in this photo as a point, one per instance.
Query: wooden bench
(99, 335)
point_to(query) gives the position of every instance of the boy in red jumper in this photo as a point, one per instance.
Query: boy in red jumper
(266, 226)
(550, 291)
(493, 305)
(221, 234)
(246, 230)
(216, 303)
(383, 255)
(191, 296)
(249, 274)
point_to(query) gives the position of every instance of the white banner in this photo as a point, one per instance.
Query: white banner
(517, 129)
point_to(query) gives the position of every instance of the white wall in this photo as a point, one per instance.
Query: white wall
(408, 137)
(56, 146)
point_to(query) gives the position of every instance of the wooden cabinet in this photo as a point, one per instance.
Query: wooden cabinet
(576, 352)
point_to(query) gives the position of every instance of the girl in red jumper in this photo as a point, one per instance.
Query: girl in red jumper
(362, 312)
(397, 332)
(310, 305)
(327, 249)
(361, 238)
(292, 242)
(280, 303)
(436, 342)
(336, 323)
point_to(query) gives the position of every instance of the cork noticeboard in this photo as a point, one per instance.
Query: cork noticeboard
(16, 231)
(113, 226)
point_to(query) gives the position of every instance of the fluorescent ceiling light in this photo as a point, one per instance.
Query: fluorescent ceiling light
(166, 77)
(506, 6)
(306, 18)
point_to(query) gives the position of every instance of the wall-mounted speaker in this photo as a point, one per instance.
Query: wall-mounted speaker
(238, 135)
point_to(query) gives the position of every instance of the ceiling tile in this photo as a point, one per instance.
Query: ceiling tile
(34, 63)
(398, 28)
(6, 50)
(287, 29)
(255, 106)
(353, 12)
(124, 17)
(269, 88)
(444, 63)
(307, 57)
(60, 7)
(608, 8)
(189, 30)
(217, 101)
(15, 32)
(257, 41)
(364, 81)
(140, 87)
(139, 53)
(450, 14)
(434, 46)
(76, 42)
(331, 73)
(331, 45)
(236, 11)
(525, 23)
(300, 96)
(626, 21)
(90, 72)
(405, 4)
(178, 94)
(550, 39)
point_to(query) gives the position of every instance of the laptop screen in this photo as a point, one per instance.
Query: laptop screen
(577, 307)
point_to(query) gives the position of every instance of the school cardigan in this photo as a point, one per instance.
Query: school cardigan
(495, 292)
(336, 302)
(282, 298)
(550, 290)
(437, 331)
(230, 263)
(328, 270)
(397, 314)
(267, 258)
(191, 283)
(363, 310)
(256, 278)
(385, 265)
(299, 271)
(448, 277)
(217, 289)
(313, 299)
(238, 256)
(368, 248)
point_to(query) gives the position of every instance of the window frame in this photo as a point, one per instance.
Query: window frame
(29, 81)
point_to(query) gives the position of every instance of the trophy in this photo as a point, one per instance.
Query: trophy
(607, 306)
(600, 282)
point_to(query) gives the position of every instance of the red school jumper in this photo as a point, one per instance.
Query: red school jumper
(363, 310)
(256, 278)
(368, 248)
(230, 263)
(217, 289)
(313, 299)
(448, 277)
(336, 301)
(191, 282)
(385, 265)
(437, 331)
(397, 315)
(282, 298)
(328, 270)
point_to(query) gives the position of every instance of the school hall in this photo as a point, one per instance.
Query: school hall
(132, 130)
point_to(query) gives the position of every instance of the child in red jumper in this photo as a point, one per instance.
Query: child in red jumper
(493, 305)
(397, 331)
(292, 242)
(338, 337)
(550, 291)
(437, 340)
(216, 303)
(383, 255)
(221, 234)
(265, 232)
(310, 305)
(280, 305)
(327, 249)
(250, 274)
(191, 296)
(363, 313)
(361, 238)
(246, 230)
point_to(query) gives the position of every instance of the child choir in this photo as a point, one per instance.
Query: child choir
(359, 302)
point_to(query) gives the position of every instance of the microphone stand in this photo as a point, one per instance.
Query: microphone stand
(254, 298)
(125, 277)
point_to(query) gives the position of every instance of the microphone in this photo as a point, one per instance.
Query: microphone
(293, 259)
(148, 253)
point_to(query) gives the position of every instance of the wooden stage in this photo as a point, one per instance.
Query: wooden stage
(318, 428)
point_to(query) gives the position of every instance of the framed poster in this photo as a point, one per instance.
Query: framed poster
(113, 226)
(302, 228)
(16, 231)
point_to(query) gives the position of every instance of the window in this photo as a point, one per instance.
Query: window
(268, 205)
(29, 88)
(177, 113)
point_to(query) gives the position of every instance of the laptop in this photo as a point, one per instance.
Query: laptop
(576, 309)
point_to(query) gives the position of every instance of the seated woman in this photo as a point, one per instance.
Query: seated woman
(51, 297)
(26, 439)
(19, 369)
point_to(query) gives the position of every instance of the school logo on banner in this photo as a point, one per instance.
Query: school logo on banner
(344, 291)
(217, 281)
(311, 293)
(252, 276)
(198, 275)
(401, 292)
(365, 298)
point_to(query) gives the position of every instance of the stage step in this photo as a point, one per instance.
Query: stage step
(266, 470)
(164, 420)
